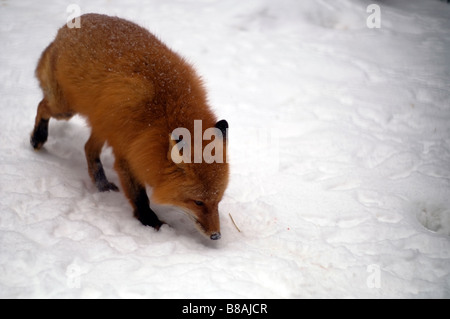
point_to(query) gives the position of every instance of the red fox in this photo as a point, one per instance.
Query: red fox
(134, 91)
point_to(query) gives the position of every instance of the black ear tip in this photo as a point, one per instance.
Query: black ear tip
(222, 125)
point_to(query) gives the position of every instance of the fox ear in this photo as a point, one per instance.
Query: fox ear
(222, 125)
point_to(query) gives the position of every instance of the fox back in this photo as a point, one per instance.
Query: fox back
(134, 92)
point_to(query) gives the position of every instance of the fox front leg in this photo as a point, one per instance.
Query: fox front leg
(93, 149)
(137, 196)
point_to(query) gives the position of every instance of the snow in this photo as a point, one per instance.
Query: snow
(339, 154)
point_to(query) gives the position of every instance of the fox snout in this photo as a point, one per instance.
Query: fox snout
(207, 220)
(215, 236)
(205, 216)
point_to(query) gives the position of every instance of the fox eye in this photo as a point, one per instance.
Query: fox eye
(199, 202)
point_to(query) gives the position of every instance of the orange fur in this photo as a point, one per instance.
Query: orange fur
(133, 91)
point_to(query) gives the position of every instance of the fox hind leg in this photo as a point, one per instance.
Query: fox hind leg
(44, 113)
(40, 132)
(93, 149)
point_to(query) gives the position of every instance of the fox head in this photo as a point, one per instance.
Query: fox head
(196, 185)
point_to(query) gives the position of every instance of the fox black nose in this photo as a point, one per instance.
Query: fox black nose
(215, 236)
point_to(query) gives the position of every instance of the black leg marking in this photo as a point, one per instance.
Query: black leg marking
(143, 212)
(40, 134)
(100, 179)
(137, 195)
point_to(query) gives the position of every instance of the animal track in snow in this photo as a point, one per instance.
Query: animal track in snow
(434, 217)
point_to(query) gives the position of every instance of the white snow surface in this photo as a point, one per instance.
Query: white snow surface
(339, 154)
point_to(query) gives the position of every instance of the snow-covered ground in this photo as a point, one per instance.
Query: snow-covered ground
(339, 151)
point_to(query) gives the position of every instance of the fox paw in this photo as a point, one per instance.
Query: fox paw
(151, 221)
(107, 186)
